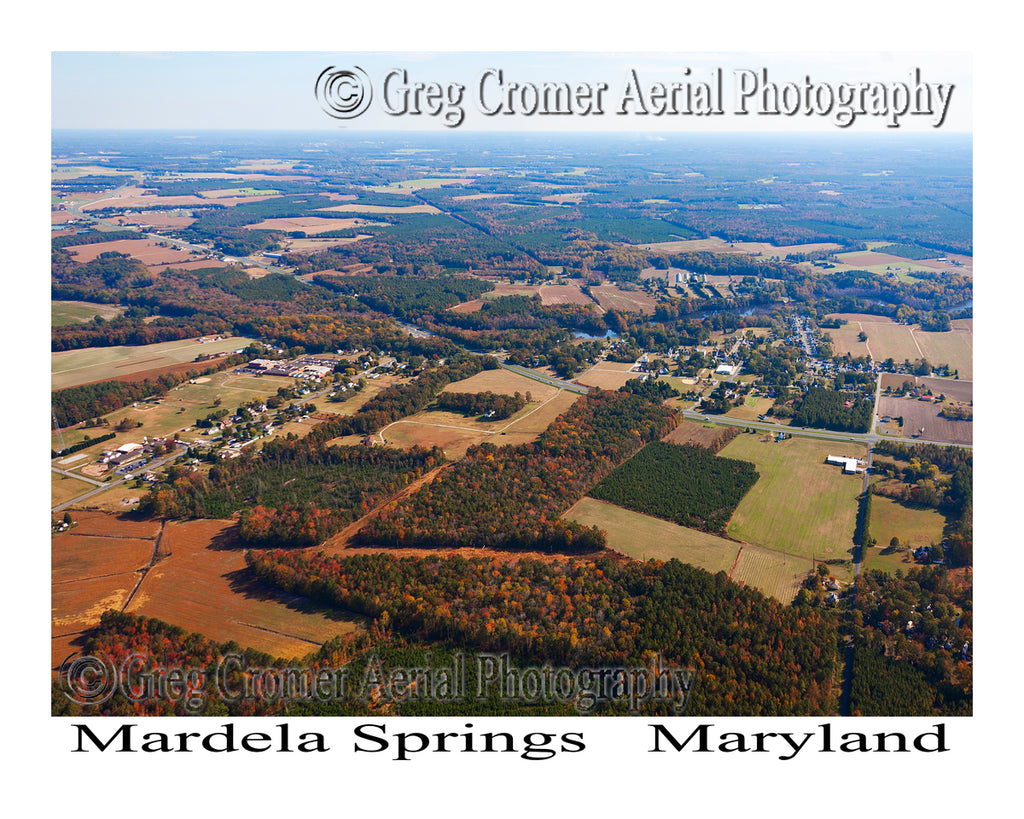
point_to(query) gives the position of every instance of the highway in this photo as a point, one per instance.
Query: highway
(546, 379)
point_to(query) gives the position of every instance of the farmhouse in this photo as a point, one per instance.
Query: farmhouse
(850, 465)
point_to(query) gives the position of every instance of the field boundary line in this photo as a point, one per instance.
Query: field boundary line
(735, 561)
(145, 569)
(275, 631)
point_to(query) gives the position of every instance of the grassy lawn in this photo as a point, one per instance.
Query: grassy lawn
(800, 504)
(913, 526)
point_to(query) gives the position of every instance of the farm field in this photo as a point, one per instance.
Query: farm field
(503, 382)
(692, 432)
(605, 377)
(80, 312)
(917, 414)
(203, 584)
(777, 575)
(94, 566)
(955, 348)
(146, 251)
(611, 297)
(887, 339)
(644, 538)
(73, 367)
(954, 389)
(800, 504)
(306, 224)
(563, 294)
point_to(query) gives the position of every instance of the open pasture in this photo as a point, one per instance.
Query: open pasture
(202, 584)
(800, 505)
(72, 367)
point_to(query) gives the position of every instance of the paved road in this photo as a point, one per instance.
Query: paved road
(869, 438)
(546, 379)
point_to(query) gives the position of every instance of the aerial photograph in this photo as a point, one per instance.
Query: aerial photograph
(506, 385)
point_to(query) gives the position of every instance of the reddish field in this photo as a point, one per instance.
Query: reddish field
(204, 585)
(94, 566)
(611, 297)
(145, 250)
(917, 414)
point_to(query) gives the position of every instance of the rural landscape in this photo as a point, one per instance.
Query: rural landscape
(325, 399)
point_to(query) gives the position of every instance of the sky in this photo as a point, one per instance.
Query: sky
(276, 90)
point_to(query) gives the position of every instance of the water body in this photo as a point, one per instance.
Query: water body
(607, 334)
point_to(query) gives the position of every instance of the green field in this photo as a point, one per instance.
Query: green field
(79, 312)
(800, 504)
(913, 526)
(643, 537)
(74, 367)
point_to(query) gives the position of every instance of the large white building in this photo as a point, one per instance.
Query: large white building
(850, 465)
